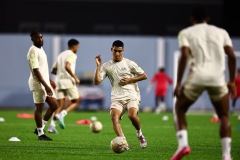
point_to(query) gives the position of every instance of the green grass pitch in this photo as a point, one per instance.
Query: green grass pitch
(77, 142)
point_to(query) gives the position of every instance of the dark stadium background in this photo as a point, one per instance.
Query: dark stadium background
(125, 17)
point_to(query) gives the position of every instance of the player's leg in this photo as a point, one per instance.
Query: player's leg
(133, 107)
(163, 104)
(116, 111)
(73, 95)
(187, 98)
(234, 104)
(220, 100)
(39, 99)
(115, 116)
(61, 94)
(38, 118)
(53, 107)
(158, 105)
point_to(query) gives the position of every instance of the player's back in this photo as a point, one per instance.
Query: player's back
(61, 60)
(207, 56)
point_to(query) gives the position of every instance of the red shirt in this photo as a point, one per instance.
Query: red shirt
(162, 80)
(237, 84)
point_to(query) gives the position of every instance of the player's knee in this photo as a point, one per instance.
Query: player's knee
(76, 101)
(132, 116)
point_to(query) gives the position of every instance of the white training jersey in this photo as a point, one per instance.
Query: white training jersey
(207, 58)
(115, 71)
(63, 79)
(37, 58)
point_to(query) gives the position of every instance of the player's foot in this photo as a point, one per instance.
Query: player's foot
(128, 148)
(143, 141)
(44, 138)
(226, 158)
(158, 110)
(36, 132)
(52, 129)
(61, 122)
(180, 153)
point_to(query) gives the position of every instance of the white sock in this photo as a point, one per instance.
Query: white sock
(53, 123)
(40, 131)
(64, 113)
(44, 124)
(139, 132)
(226, 146)
(182, 138)
(57, 116)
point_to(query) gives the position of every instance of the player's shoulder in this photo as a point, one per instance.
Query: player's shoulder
(217, 28)
(108, 63)
(129, 61)
(65, 52)
(186, 29)
(35, 50)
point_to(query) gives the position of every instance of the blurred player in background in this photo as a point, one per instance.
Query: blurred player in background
(162, 80)
(237, 84)
(66, 84)
(125, 96)
(40, 85)
(204, 46)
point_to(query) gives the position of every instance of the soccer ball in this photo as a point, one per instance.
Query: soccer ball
(118, 144)
(96, 126)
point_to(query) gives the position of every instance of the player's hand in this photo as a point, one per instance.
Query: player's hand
(125, 81)
(49, 91)
(177, 90)
(98, 60)
(53, 84)
(232, 89)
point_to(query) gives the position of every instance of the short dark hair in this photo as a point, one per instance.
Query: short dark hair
(72, 42)
(118, 43)
(162, 69)
(33, 33)
(199, 13)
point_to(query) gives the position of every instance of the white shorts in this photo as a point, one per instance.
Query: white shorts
(122, 105)
(39, 96)
(193, 91)
(72, 93)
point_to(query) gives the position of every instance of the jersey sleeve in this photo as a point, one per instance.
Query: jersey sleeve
(33, 59)
(227, 40)
(135, 69)
(182, 39)
(71, 58)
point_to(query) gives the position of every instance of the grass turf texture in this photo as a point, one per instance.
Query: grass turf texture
(78, 142)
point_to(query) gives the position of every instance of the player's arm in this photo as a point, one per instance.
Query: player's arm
(54, 68)
(41, 80)
(135, 79)
(232, 69)
(68, 69)
(97, 80)
(181, 68)
(54, 71)
(139, 77)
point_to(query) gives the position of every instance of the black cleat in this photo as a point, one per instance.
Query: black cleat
(44, 138)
